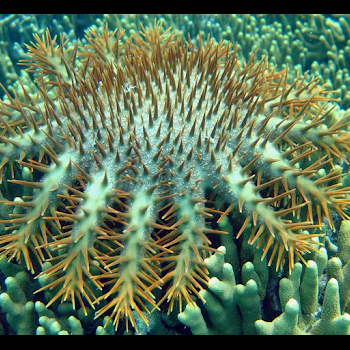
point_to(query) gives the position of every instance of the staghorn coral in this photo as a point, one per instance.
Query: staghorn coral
(138, 150)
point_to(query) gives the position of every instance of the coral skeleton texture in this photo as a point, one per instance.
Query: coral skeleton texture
(132, 151)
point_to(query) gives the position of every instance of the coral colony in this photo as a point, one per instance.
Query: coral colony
(122, 169)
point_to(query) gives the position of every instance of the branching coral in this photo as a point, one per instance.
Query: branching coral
(137, 150)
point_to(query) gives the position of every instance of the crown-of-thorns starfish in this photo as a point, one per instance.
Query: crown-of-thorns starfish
(138, 147)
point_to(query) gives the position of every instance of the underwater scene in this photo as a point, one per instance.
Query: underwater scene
(175, 174)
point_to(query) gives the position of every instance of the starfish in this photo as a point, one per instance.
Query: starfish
(138, 148)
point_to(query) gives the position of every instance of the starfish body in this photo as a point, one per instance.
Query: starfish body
(137, 150)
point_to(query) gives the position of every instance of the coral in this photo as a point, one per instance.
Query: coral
(343, 242)
(220, 301)
(232, 309)
(331, 321)
(50, 326)
(126, 165)
(303, 42)
(19, 311)
(28, 315)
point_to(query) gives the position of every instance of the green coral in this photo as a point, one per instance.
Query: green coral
(19, 311)
(299, 296)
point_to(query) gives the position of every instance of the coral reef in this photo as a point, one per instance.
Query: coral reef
(235, 309)
(128, 159)
(304, 42)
